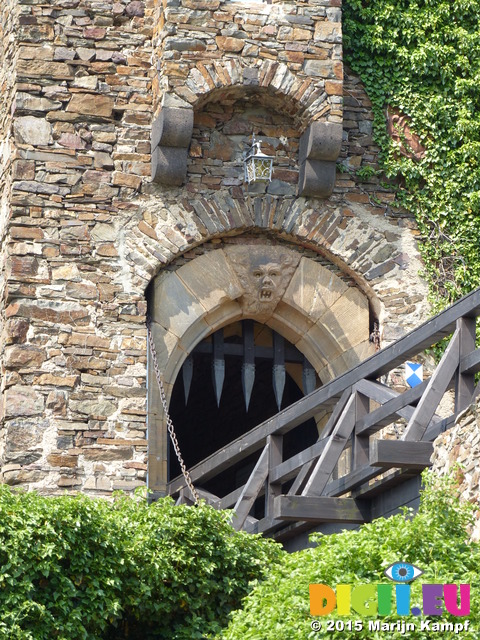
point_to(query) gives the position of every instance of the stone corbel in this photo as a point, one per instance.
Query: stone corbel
(320, 147)
(171, 136)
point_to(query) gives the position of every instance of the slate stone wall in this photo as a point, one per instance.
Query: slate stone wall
(456, 453)
(86, 229)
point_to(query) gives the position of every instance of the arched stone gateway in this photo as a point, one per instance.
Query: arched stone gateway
(321, 312)
(88, 235)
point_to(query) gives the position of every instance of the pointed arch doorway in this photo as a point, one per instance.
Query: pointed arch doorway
(233, 380)
(322, 315)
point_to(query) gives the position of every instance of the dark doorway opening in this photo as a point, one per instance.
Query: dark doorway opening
(203, 426)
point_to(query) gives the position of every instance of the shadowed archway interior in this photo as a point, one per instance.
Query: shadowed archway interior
(204, 425)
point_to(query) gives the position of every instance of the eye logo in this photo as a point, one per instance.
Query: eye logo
(402, 572)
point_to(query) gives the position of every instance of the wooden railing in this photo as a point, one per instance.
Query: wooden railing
(360, 405)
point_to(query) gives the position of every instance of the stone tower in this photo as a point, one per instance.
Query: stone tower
(123, 127)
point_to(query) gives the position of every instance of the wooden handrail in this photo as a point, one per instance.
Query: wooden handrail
(375, 366)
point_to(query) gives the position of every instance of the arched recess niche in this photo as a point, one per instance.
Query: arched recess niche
(323, 315)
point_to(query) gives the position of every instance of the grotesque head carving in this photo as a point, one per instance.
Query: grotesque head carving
(264, 273)
(267, 276)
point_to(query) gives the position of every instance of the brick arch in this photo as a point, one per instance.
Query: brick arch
(311, 306)
(345, 240)
(302, 98)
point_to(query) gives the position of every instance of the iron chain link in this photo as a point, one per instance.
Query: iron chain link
(170, 427)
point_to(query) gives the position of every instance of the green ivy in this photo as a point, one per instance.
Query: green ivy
(434, 540)
(422, 57)
(75, 568)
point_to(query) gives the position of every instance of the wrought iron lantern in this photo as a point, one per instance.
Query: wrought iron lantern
(258, 166)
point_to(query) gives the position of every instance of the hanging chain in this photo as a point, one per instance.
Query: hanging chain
(375, 336)
(170, 426)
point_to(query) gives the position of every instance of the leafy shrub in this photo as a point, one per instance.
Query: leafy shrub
(77, 568)
(433, 540)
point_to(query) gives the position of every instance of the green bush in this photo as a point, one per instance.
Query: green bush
(434, 540)
(422, 57)
(78, 568)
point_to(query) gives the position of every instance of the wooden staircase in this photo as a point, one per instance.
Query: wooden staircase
(360, 406)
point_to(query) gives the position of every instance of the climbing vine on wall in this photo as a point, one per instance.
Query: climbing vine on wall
(421, 59)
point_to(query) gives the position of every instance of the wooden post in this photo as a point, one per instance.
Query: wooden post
(436, 387)
(360, 443)
(275, 457)
(465, 382)
(251, 490)
(330, 455)
(308, 467)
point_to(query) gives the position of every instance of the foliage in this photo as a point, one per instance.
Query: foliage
(433, 540)
(76, 568)
(422, 57)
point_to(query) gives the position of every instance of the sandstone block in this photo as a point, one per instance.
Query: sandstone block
(107, 454)
(86, 82)
(23, 170)
(90, 104)
(23, 401)
(42, 69)
(34, 131)
(16, 330)
(62, 460)
(19, 356)
(29, 102)
(94, 33)
(85, 340)
(71, 141)
(64, 53)
(210, 5)
(326, 31)
(66, 272)
(24, 476)
(23, 267)
(104, 233)
(55, 381)
(313, 289)
(135, 8)
(85, 364)
(93, 407)
(81, 291)
(180, 307)
(334, 87)
(126, 180)
(57, 402)
(69, 481)
(48, 311)
(226, 43)
(36, 53)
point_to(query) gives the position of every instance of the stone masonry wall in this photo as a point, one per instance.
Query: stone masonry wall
(457, 452)
(8, 57)
(88, 230)
(291, 48)
(74, 378)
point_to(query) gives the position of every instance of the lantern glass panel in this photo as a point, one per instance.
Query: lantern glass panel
(258, 168)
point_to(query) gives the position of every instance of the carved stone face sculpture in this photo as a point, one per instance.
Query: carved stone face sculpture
(267, 277)
(264, 273)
